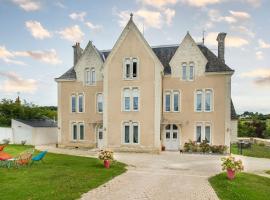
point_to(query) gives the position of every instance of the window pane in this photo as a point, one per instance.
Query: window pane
(81, 132)
(127, 103)
(127, 70)
(80, 103)
(100, 135)
(87, 76)
(100, 103)
(207, 133)
(174, 135)
(176, 102)
(199, 102)
(174, 127)
(74, 131)
(168, 127)
(208, 102)
(168, 102)
(134, 68)
(168, 135)
(126, 134)
(184, 72)
(135, 103)
(191, 72)
(198, 133)
(135, 134)
(73, 102)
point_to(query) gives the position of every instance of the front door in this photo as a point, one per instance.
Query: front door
(171, 137)
(100, 137)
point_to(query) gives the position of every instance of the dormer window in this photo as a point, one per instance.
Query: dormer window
(93, 76)
(130, 68)
(191, 71)
(87, 76)
(187, 71)
(90, 76)
(184, 71)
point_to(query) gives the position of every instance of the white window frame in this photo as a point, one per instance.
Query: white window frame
(130, 92)
(98, 101)
(182, 71)
(130, 124)
(167, 93)
(126, 93)
(203, 92)
(211, 100)
(83, 103)
(87, 76)
(79, 135)
(179, 98)
(93, 76)
(130, 61)
(135, 93)
(199, 91)
(74, 124)
(203, 125)
(71, 103)
(171, 94)
(191, 64)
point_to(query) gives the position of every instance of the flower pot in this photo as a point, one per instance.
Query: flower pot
(163, 148)
(230, 174)
(107, 164)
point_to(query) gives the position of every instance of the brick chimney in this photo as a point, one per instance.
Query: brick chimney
(77, 52)
(221, 46)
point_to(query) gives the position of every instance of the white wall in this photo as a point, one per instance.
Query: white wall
(44, 136)
(234, 131)
(21, 132)
(6, 133)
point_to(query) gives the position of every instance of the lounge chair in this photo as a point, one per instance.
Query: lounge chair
(39, 157)
(2, 147)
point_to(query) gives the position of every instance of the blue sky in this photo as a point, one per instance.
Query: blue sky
(36, 38)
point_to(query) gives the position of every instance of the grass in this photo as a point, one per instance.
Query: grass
(59, 177)
(244, 187)
(268, 172)
(255, 151)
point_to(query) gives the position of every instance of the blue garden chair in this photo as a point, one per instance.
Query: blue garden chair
(39, 157)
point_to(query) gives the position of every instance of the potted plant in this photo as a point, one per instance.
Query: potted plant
(232, 166)
(106, 156)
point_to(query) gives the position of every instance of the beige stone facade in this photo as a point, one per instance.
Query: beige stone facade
(107, 101)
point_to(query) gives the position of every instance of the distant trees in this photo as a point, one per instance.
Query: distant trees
(10, 109)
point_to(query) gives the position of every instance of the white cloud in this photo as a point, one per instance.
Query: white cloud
(259, 55)
(158, 3)
(230, 41)
(15, 83)
(28, 5)
(59, 4)
(243, 30)
(47, 56)
(263, 44)
(259, 72)
(254, 3)
(37, 30)
(93, 26)
(73, 34)
(7, 56)
(201, 3)
(169, 13)
(78, 16)
(240, 15)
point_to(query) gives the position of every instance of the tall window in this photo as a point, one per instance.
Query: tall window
(87, 76)
(73, 103)
(81, 131)
(199, 98)
(203, 132)
(93, 76)
(168, 102)
(131, 133)
(131, 68)
(100, 103)
(135, 96)
(81, 103)
(77, 131)
(184, 71)
(176, 101)
(191, 71)
(208, 100)
(126, 99)
(74, 131)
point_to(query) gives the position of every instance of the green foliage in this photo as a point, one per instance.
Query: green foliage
(204, 147)
(10, 109)
(60, 177)
(232, 164)
(255, 151)
(244, 187)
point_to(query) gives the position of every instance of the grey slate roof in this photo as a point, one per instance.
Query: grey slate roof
(68, 75)
(39, 122)
(233, 113)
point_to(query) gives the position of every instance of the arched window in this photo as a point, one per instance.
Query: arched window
(208, 100)
(191, 71)
(135, 96)
(126, 99)
(199, 100)
(87, 76)
(184, 71)
(93, 76)
(100, 103)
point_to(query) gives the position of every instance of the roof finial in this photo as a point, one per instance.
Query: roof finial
(131, 16)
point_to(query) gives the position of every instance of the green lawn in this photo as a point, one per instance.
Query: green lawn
(255, 151)
(244, 187)
(59, 177)
(268, 172)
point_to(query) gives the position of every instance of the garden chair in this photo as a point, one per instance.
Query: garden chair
(2, 147)
(39, 157)
(23, 159)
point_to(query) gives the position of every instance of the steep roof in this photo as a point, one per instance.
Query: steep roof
(39, 122)
(68, 75)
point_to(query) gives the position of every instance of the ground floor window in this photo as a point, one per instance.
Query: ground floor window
(131, 132)
(203, 132)
(77, 131)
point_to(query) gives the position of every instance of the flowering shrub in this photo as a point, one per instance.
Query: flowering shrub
(232, 164)
(204, 147)
(105, 155)
(218, 148)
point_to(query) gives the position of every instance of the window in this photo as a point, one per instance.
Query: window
(126, 99)
(175, 101)
(80, 103)
(184, 71)
(73, 103)
(168, 102)
(203, 132)
(208, 100)
(199, 97)
(131, 133)
(74, 131)
(92, 76)
(191, 71)
(81, 131)
(87, 76)
(131, 68)
(100, 103)
(135, 95)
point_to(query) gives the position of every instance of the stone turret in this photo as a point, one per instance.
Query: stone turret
(221, 46)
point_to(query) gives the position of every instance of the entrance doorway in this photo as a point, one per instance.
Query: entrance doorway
(171, 137)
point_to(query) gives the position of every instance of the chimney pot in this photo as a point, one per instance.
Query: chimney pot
(221, 46)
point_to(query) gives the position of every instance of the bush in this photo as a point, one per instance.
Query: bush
(190, 146)
(23, 142)
(204, 147)
(261, 144)
(6, 141)
(105, 155)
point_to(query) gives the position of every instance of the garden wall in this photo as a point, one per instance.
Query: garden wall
(256, 140)
(6, 133)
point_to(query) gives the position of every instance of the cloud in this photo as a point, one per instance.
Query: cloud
(259, 55)
(73, 34)
(260, 72)
(263, 81)
(28, 5)
(240, 15)
(158, 3)
(263, 44)
(6, 56)
(47, 56)
(201, 3)
(169, 14)
(59, 4)
(37, 30)
(78, 16)
(243, 30)
(93, 26)
(15, 83)
(255, 3)
(230, 41)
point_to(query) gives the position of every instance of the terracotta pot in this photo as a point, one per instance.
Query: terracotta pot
(230, 174)
(107, 164)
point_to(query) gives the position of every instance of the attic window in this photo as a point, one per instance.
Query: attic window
(130, 68)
